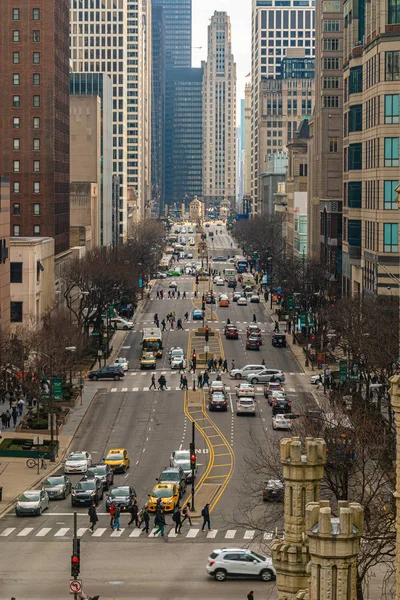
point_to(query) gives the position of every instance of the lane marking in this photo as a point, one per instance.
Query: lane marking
(249, 535)
(62, 532)
(25, 531)
(99, 532)
(192, 533)
(44, 531)
(7, 531)
(136, 532)
(230, 534)
(117, 533)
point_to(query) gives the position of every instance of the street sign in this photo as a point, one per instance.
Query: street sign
(290, 303)
(75, 586)
(342, 371)
(206, 348)
(354, 373)
(57, 389)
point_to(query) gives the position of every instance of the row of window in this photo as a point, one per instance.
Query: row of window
(17, 101)
(17, 122)
(353, 194)
(353, 154)
(352, 233)
(17, 209)
(17, 230)
(354, 83)
(16, 79)
(16, 14)
(16, 186)
(16, 35)
(16, 56)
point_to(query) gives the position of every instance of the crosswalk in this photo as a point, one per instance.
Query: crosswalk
(188, 533)
(258, 390)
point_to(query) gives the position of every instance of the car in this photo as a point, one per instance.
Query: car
(118, 459)
(276, 394)
(175, 272)
(272, 386)
(174, 475)
(265, 376)
(252, 343)
(273, 491)
(122, 496)
(239, 562)
(87, 491)
(177, 359)
(169, 495)
(109, 372)
(104, 473)
(246, 406)
(216, 386)
(231, 333)
(219, 281)
(245, 390)
(123, 363)
(181, 458)
(32, 502)
(120, 323)
(223, 300)
(236, 296)
(231, 282)
(57, 487)
(219, 259)
(173, 284)
(231, 260)
(242, 372)
(77, 462)
(197, 314)
(255, 335)
(242, 301)
(160, 275)
(189, 255)
(255, 298)
(279, 340)
(217, 402)
(210, 299)
(281, 422)
(148, 361)
(314, 379)
(252, 329)
(281, 405)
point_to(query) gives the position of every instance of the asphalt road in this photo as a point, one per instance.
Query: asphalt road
(35, 552)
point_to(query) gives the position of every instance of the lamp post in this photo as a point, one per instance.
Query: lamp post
(269, 259)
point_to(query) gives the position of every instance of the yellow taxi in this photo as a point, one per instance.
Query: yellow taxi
(223, 300)
(168, 493)
(118, 459)
(148, 361)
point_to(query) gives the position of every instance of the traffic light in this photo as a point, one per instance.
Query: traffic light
(207, 333)
(193, 461)
(75, 565)
(197, 280)
(278, 298)
(203, 304)
(194, 358)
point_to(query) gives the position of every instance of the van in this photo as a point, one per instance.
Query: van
(120, 323)
(230, 273)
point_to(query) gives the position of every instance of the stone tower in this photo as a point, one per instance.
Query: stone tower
(334, 543)
(395, 400)
(302, 474)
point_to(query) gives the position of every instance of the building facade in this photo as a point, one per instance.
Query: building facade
(277, 26)
(371, 258)
(158, 108)
(178, 32)
(297, 193)
(219, 114)
(139, 124)
(4, 254)
(183, 135)
(34, 117)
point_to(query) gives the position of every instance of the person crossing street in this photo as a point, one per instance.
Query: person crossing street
(159, 522)
(116, 523)
(93, 518)
(205, 513)
(134, 514)
(186, 515)
(153, 382)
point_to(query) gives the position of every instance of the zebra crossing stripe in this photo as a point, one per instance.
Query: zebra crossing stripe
(113, 389)
(137, 389)
(211, 534)
(99, 532)
(230, 534)
(26, 531)
(268, 535)
(192, 533)
(61, 532)
(44, 531)
(7, 531)
(81, 531)
(117, 533)
(248, 535)
(136, 533)
(172, 534)
(124, 390)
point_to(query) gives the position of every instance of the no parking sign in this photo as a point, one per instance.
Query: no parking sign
(75, 586)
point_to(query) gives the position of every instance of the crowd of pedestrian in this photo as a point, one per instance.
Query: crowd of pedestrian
(16, 400)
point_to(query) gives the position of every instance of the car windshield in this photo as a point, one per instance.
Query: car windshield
(29, 497)
(101, 470)
(246, 402)
(85, 485)
(119, 492)
(54, 481)
(169, 476)
(185, 465)
(76, 457)
(148, 355)
(181, 455)
(114, 456)
(162, 493)
(177, 353)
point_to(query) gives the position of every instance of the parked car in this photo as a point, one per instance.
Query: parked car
(239, 562)
(110, 372)
(32, 502)
(58, 487)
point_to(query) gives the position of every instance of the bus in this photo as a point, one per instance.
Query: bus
(165, 263)
(152, 341)
(241, 264)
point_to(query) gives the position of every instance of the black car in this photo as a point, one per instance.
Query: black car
(273, 490)
(122, 496)
(218, 402)
(279, 340)
(174, 475)
(87, 491)
(110, 372)
(104, 473)
(210, 299)
(272, 387)
(281, 406)
(252, 344)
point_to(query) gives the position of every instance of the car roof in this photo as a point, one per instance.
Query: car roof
(170, 470)
(120, 487)
(116, 450)
(77, 452)
(166, 486)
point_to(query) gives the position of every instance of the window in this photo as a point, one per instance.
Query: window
(355, 157)
(331, 101)
(392, 108)
(391, 152)
(36, 14)
(16, 101)
(36, 209)
(354, 194)
(355, 118)
(16, 166)
(16, 58)
(36, 230)
(36, 144)
(16, 36)
(15, 14)
(36, 166)
(36, 187)
(36, 35)
(16, 312)
(389, 194)
(331, 83)
(16, 187)
(390, 237)
(16, 209)
(36, 58)
(16, 230)
(16, 272)
(36, 79)
(16, 144)
(331, 25)
(36, 101)
(16, 79)
(36, 122)
(393, 12)
(331, 44)
(355, 80)
(16, 123)
(392, 65)
(332, 64)
(333, 144)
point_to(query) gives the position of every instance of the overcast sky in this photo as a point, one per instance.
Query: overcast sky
(240, 14)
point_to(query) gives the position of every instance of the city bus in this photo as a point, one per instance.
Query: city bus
(152, 341)
(165, 263)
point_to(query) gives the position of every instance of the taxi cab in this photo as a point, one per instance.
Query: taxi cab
(223, 300)
(148, 361)
(118, 459)
(168, 493)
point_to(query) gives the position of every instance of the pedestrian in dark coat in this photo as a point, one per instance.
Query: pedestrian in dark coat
(93, 518)
(206, 379)
(225, 366)
(145, 519)
(220, 362)
(14, 415)
(177, 518)
(250, 595)
(200, 380)
(4, 419)
(134, 514)
(153, 382)
(205, 513)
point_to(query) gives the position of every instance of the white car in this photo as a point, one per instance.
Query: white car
(217, 386)
(160, 275)
(254, 297)
(281, 422)
(77, 462)
(32, 502)
(173, 284)
(245, 390)
(178, 456)
(122, 362)
(219, 281)
(242, 372)
(242, 301)
(246, 406)
(265, 376)
(314, 379)
(176, 357)
(239, 562)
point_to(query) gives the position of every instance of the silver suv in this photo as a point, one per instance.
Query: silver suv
(244, 371)
(265, 376)
(239, 562)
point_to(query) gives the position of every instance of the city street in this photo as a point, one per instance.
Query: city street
(35, 552)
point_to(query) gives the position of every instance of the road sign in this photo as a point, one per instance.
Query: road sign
(342, 371)
(75, 586)
(206, 348)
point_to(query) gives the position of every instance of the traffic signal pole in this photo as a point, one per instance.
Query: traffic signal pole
(76, 547)
(193, 467)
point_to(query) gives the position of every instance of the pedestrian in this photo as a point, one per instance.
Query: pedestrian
(233, 364)
(116, 523)
(181, 381)
(159, 522)
(164, 325)
(250, 595)
(112, 514)
(145, 518)
(14, 415)
(200, 380)
(21, 405)
(289, 326)
(179, 324)
(319, 382)
(206, 380)
(177, 518)
(162, 382)
(205, 513)
(225, 366)
(186, 515)
(215, 364)
(8, 415)
(185, 383)
(162, 294)
(190, 366)
(254, 318)
(179, 295)
(169, 294)
(134, 514)
(186, 316)
(158, 295)
(4, 419)
(153, 382)
(276, 327)
(171, 324)
(93, 518)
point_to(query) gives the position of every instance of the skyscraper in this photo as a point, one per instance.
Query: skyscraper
(34, 116)
(178, 32)
(219, 114)
(158, 106)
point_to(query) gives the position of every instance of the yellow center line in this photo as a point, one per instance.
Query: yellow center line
(225, 454)
(217, 445)
(216, 477)
(225, 465)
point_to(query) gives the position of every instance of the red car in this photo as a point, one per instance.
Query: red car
(231, 333)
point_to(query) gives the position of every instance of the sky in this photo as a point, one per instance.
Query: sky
(240, 15)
